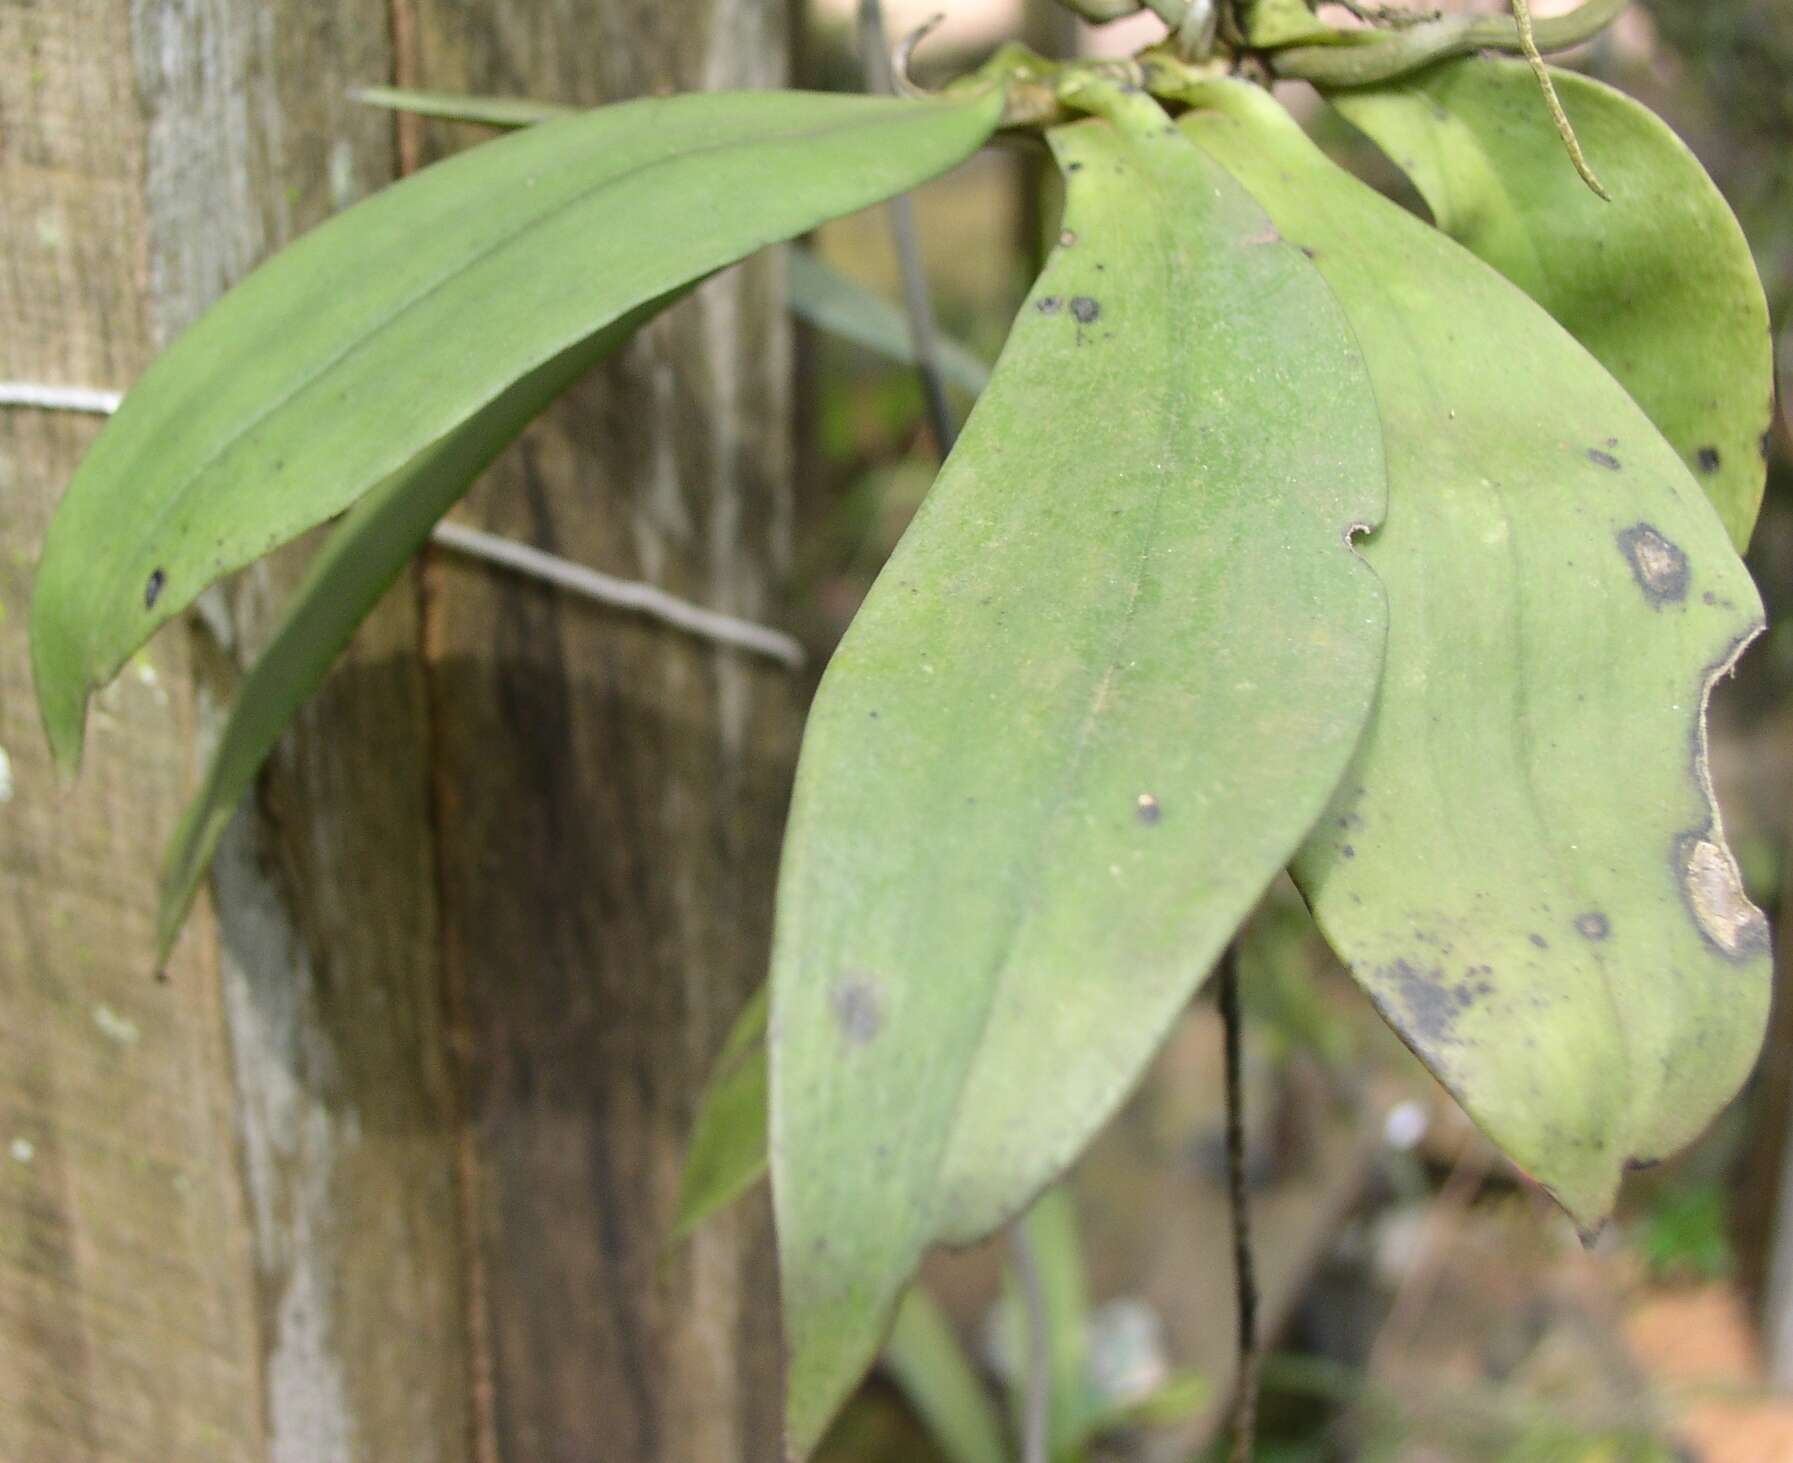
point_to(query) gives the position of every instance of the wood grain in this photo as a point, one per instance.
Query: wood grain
(611, 795)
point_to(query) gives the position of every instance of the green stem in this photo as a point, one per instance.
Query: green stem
(1396, 53)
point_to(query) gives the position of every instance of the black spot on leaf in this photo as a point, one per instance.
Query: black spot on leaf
(1084, 310)
(1658, 566)
(1603, 459)
(1049, 304)
(1593, 925)
(153, 590)
(1709, 459)
(1540, 941)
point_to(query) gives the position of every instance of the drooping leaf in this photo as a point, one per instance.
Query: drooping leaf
(1093, 703)
(728, 1141)
(344, 581)
(927, 1363)
(1525, 867)
(830, 301)
(374, 337)
(1659, 284)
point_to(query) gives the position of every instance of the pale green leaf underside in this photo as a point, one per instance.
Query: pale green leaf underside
(1524, 866)
(1658, 284)
(367, 342)
(1103, 688)
(727, 1156)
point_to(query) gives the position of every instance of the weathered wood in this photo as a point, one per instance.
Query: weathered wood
(239, 1227)
(325, 890)
(125, 1327)
(611, 795)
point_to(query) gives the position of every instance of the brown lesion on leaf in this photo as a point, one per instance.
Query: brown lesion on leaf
(1657, 564)
(1593, 925)
(1713, 888)
(857, 1003)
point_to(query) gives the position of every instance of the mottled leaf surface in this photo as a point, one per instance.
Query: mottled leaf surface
(1524, 867)
(1658, 284)
(1097, 697)
(374, 337)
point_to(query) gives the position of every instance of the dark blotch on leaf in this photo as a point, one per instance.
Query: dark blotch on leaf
(1709, 459)
(1658, 565)
(1593, 925)
(1431, 1005)
(858, 1005)
(1540, 941)
(153, 590)
(1049, 304)
(1603, 459)
(1085, 310)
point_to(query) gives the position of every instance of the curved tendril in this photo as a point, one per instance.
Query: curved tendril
(904, 53)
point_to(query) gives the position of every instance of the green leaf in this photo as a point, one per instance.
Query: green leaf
(1097, 697)
(1525, 867)
(360, 560)
(1659, 284)
(925, 1360)
(728, 1141)
(830, 301)
(374, 337)
(1050, 1230)
(820, 294)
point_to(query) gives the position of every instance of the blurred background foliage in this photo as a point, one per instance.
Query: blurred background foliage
(1428, 1303)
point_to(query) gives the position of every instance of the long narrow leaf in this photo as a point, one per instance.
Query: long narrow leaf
(728, 1141)
(830, 301)
(341, 360)
(362, 557)
(1094, 702)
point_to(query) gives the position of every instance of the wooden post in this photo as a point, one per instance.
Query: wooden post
(610, 796)
(381, 1171)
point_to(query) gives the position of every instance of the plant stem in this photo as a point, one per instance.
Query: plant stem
(1036, 1397)
(875, 58)
(1245, 1287)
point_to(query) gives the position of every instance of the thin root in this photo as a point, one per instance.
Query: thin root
(1522, 16)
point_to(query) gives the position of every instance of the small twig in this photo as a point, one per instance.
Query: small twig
(60, 398)
(1522, 17)
(622, 593)
(1036, 1397)
(1245, 1285)
(879, 77)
